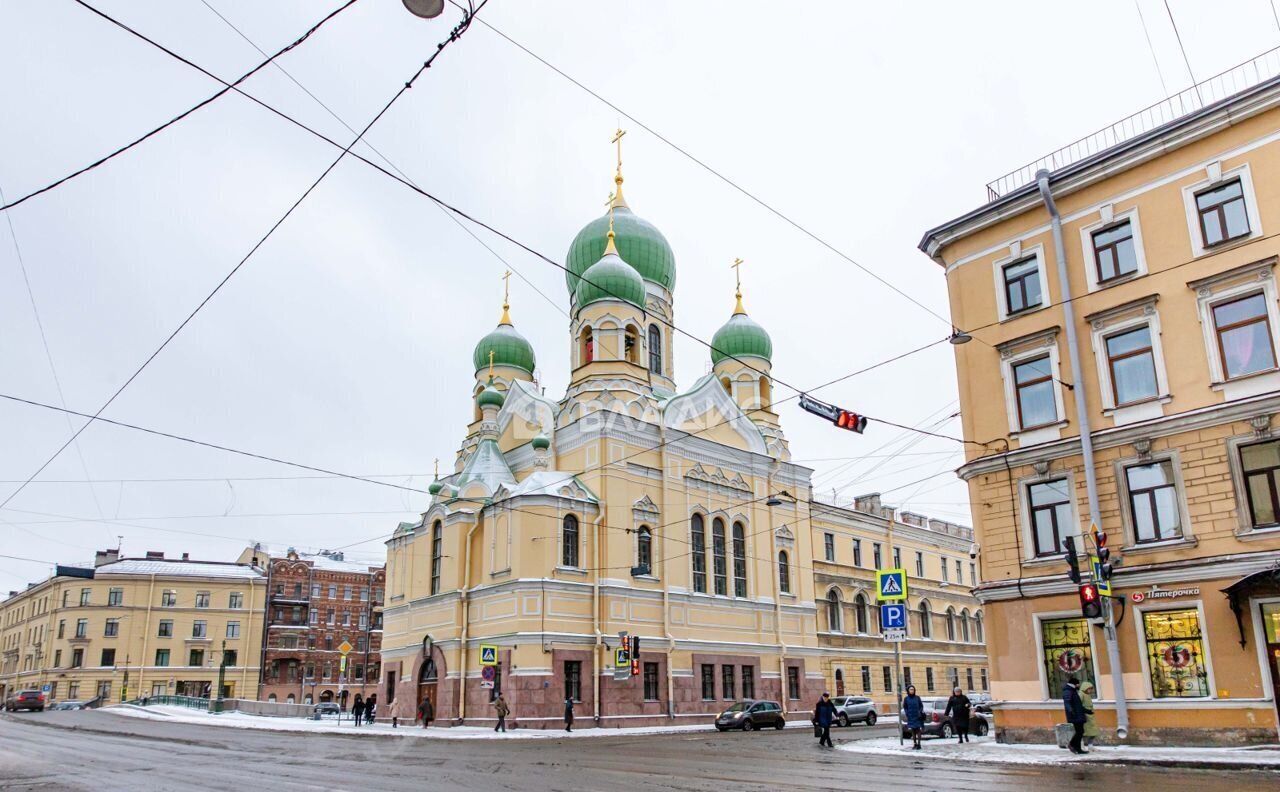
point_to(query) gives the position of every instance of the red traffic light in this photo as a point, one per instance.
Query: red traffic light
(851, 421)
(1090, 602)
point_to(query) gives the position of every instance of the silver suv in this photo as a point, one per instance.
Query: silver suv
(854, 709)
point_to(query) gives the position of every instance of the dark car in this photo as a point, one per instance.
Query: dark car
(750, 714)
(938, 724)
(25, 700)
(72, 704)
(854, 709)
(327, 709)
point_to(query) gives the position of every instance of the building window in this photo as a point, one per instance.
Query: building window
(833, 610)
(973, 573)
(968, 679)
(108, 657)
(1114, 254)
(651, 672)
(708, 682)
(875, 555)
(77, 658)
(1132, 365)
(1244, 335)
(162, 657)
(437, 554)
(1175, 654)
(920, 564)
(655, 349)
(112, 628)
(857, 552)
(829, 546)
(166, 628)
(233, 629)
(1222, 211)
(1261, 465)
(1033, 385)
(229, 658)
(945, 577)
(793, 683)
(315, 589)
(1066, 653)
(364, 593)
(569, 541)
(964, 629)
(718, 565)
(926, 620)
(748, 682)
(62, 626)
(573, 680)
(235, 600)
(364, 622)
(644, 550)
(115, 597)
(951, 625)
(168, 599)
(333, 591)
(928, 679)
(84, 596)
(739, 560)
(1022, 287)
(1153, 502)
(860, 613)
(199, 628)
(57, 658)
(888, 678)
(784, 573)
(195, 657)
(897, 558)
(698, 539)
(959, 571)
(314, 616)
(202, 599)
(728, 688)
(866, 679)
(906, 676)
(82, 628)
(1050, 515)
(977, 627)
(346, 593)
(839, 681)
(984, 678)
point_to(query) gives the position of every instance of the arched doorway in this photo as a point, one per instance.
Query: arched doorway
(427, 679)
(326, 696)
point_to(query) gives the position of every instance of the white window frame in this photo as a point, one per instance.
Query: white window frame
(1115, 322)
(1108, 218)
(1020, 351)
(1017, 253)
(1028, 528)
(1037, 621)
(1139, 625)
(1214, 176)
(1244, 518)
(1126, 508)
(1225, 287)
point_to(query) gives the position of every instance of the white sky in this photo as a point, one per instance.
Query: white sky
(346, 341)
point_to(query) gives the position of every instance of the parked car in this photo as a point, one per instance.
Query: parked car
(981, 701)
(25, 700)
(327, 709)
(854, 709)
(938, 724)
(71, 704)
(750, 714)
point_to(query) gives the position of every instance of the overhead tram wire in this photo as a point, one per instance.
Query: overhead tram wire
(488, 227)
(1137, 4)
(454, 34)
(96, 163)
(1185, 59)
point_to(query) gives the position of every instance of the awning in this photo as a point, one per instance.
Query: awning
(1266, 582)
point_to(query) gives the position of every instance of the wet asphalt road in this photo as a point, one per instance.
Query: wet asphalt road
(100, 751)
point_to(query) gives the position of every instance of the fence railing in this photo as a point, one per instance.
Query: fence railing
(1203, 94)
(191, 702)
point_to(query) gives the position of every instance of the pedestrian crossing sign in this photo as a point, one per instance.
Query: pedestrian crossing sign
(891, 584)
(488, 655)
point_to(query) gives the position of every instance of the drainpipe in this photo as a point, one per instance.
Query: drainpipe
(466, 620)
(666, 581)
(777, 597)
(1086, 438)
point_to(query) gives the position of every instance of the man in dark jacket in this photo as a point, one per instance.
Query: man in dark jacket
(370, 709)
(568, 713)
(1076, 715)
(357, 708)
(823, 714)
(958, 707)
(426, 711)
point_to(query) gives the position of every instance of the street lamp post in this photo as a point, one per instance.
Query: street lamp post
(222, 675)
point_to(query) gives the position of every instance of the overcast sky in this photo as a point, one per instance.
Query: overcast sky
(345, 342)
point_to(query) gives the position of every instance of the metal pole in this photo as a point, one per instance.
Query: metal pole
(897, 645)
(1086, 440)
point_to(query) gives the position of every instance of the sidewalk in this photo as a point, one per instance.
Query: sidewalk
(238, 720)
(986, 749)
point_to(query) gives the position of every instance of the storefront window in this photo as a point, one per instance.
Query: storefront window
(1175, 654)
(1066, 651)
(1271, 621)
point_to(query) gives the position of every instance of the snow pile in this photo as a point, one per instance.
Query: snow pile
(986, 749)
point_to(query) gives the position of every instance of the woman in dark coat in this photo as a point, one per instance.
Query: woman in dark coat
(568, 714)
(370, 708)
(357, 708)
(958, 707)
(913, 710)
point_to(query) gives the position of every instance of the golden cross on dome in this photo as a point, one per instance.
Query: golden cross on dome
(437, 468)
(490, 365)
(609, 247)
(736, 266)
(617, 199)
(506, 298)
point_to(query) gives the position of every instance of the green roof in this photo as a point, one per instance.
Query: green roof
(741, 336)
(639, 243)
(509, 349)
(610, 278)
(490, 396)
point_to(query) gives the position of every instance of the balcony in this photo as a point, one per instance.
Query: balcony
(291, 599)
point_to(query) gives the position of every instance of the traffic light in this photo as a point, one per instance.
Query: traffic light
(851, 421)
(635, 655)
(1105, 567)
(1073, 559)
(1090, 602)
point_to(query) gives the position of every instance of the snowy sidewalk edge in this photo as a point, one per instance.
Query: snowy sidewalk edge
(988, 752)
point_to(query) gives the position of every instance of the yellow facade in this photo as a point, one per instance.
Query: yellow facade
(1177, 326)
(130, 628)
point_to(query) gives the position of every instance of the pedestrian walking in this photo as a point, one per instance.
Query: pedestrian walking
(397, 710)
(1091, 730)
(913, 711)
(500, 706)
(568, 713)
(370, 708)
(958, 707)
(1076, 715)
(427, 712)
(823, 714)
(357, 708)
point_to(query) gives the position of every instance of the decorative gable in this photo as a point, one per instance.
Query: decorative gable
(707, 410)
(645, 505)
(718, 477)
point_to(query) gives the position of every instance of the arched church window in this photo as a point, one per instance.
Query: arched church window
(719, 566)
(655, 349)
(784, 573)
(964, 625)
(437, 548)
(926, 621)
(631, 345)
(569, 541)
(765, 396)
(698, 539)
(833, 610)
(644, 549)
(860, 613)
(951, 624)
(587, 347)
(739, 560)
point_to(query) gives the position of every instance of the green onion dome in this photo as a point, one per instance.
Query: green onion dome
(541, 442)
(490, 396)
(741, 336)
(435, 486)
(610, 278)
(509, 349)
(639, 243)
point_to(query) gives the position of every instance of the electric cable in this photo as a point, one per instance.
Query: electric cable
(1159, 72)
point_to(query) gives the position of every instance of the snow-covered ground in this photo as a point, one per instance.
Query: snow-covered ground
(238, 720)
(986, 749)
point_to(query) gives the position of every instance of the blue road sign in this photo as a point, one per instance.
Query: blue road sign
(893, 616)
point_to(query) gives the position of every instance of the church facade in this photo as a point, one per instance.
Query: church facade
(630, 506)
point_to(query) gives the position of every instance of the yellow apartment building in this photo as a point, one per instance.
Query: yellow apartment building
(133, 627)
(1168, 226)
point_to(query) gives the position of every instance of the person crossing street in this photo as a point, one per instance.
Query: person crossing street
(500, 706)
(823, 714)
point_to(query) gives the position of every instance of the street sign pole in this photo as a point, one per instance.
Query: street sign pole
(897, 645)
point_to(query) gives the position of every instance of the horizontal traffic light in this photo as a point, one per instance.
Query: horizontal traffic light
(851, 421)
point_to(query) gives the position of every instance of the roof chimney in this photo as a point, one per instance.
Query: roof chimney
(155, 555)
(186, 556)
(105, 557)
